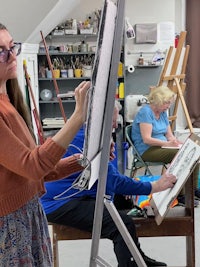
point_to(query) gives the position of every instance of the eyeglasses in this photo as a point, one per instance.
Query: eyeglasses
(5, 54)
(169, 103)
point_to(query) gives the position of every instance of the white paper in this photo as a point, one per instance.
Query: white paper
(181, 167)
(166, 32)
(172, 147)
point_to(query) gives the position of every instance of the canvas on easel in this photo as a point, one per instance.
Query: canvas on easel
(99, 124)
(97, 98)
(182, 166)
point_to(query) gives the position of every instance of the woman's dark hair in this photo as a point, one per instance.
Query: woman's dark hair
(16, 98)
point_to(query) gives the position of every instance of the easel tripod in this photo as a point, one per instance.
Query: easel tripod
(101, 199)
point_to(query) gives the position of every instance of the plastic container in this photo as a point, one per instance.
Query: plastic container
(120, 69)
(141, 60)
(121, 90)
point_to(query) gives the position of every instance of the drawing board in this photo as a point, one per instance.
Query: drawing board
(181, 166)
(98, 94)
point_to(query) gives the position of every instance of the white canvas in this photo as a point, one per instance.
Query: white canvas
(97, 96)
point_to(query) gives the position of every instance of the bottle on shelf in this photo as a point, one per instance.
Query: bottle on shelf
(84, 47)
(120, 69)
(141, 60)
(121, 90)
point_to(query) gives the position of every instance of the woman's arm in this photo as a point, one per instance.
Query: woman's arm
(65, 167)
(146, 132)
(171, 137)
(73, 124)
(18, 151)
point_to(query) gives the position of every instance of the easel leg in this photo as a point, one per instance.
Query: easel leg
(190, 240)
(124, 232)
(180, 94)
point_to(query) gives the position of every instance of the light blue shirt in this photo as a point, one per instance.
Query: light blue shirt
(159, 127)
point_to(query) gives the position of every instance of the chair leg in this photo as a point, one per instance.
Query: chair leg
(147, 171)
(133, 171)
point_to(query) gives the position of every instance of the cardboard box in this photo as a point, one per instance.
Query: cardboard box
(86, 31)
(70, 31)
(58, 32)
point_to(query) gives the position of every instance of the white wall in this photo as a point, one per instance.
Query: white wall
(154, 11)
(21, 17)
(59, 13)
(24, 17)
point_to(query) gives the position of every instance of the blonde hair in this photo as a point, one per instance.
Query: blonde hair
(160, 95)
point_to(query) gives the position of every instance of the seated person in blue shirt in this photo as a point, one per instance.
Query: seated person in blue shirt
(76, 208)
(151, 129)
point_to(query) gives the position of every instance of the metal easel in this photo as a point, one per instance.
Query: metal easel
(101, 199)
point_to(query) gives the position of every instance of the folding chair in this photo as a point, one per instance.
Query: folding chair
(138, 162)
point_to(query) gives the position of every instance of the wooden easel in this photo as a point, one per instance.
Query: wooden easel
(173, 75)
(54, 79)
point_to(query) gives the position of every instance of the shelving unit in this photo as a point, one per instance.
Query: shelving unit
(147, 66)
(50, 108)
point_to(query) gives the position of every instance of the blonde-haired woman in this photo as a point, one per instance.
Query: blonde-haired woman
(151, 129)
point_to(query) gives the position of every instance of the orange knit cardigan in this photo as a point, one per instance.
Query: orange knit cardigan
(24, 166)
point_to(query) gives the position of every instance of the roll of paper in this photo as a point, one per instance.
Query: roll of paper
(131, 68)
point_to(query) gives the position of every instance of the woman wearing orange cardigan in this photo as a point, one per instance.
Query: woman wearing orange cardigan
(24, 237)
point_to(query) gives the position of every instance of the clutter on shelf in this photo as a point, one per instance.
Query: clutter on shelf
(67, 66)
(72, 26)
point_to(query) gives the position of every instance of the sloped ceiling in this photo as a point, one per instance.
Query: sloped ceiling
(26, 18)
(21, 17)
(60, 12)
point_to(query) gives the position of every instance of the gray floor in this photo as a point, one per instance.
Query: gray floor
(168, 249)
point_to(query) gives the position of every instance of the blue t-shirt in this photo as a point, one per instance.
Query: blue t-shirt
(117, 183)
(159, 127)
